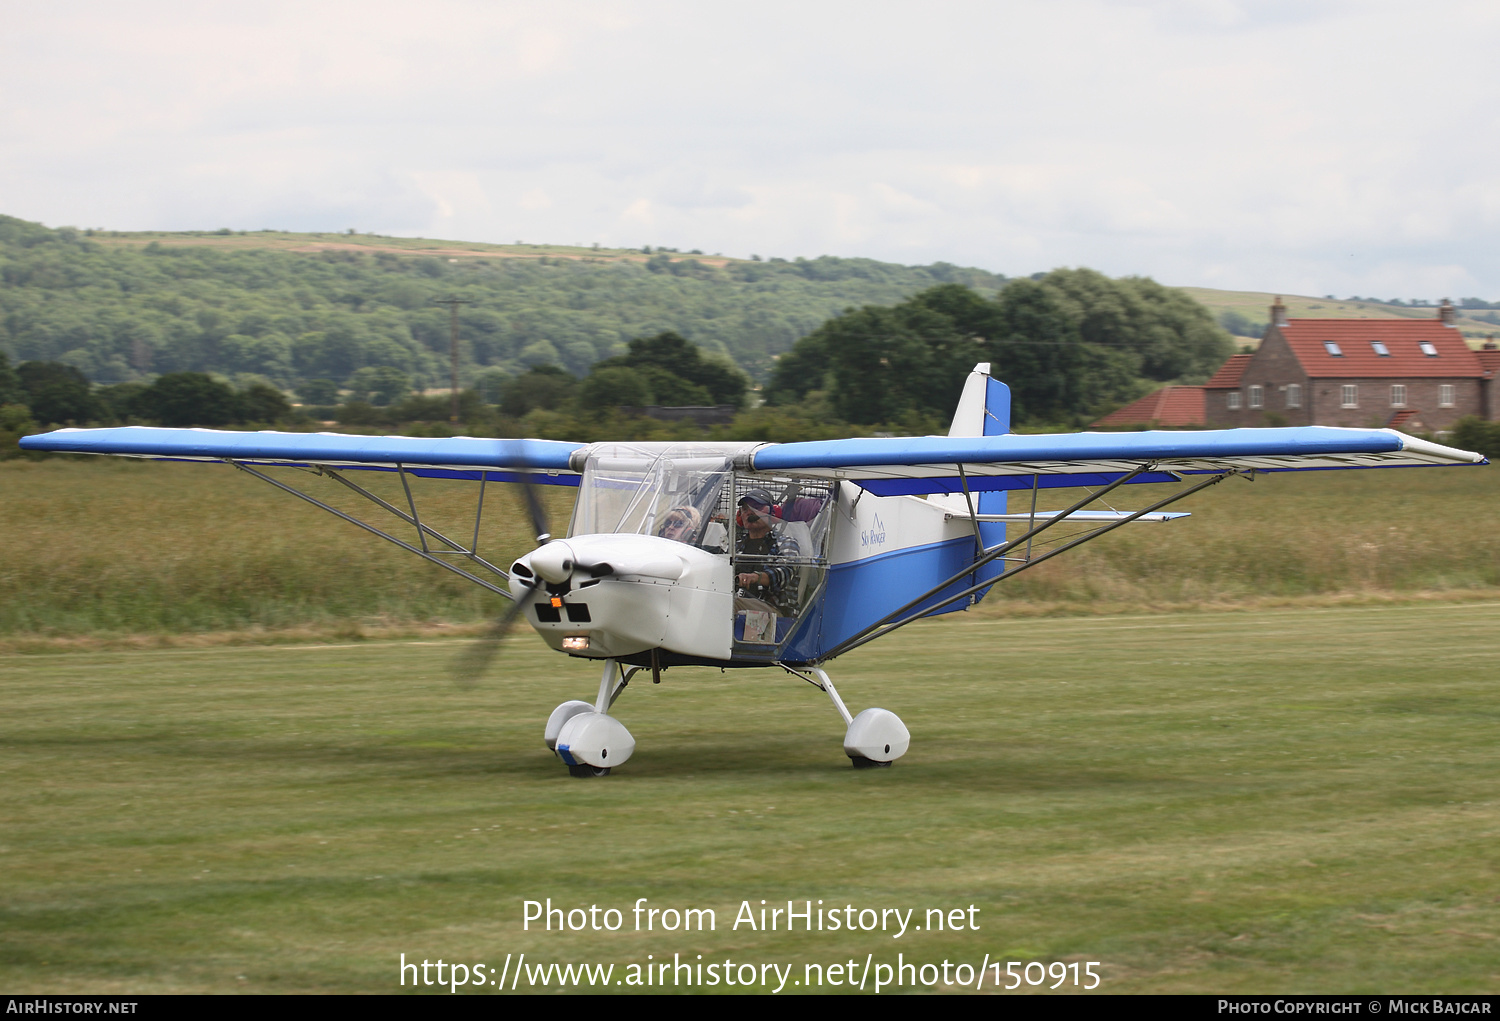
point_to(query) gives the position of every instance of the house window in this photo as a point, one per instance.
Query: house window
(1447, 393)
(1428, 349)
(1232, 400)
(1350, 396)
(1257, 398)
(1398, 395)
(1333, 349)
(1294, 395)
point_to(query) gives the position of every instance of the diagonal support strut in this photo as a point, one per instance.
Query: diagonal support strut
(481, 582)
(889, 623)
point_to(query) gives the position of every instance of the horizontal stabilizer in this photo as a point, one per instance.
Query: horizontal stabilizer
(1096, 515)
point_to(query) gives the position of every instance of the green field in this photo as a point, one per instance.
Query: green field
(114, 551)
(292, 241)
(1272, 800)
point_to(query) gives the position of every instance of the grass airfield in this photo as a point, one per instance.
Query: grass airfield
(1254, 801)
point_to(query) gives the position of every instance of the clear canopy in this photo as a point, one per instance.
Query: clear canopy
(671, 490)
(689, 492)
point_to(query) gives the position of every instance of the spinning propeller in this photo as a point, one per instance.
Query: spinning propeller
(475, 660)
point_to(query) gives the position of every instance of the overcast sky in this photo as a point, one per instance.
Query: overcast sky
(1306, 146)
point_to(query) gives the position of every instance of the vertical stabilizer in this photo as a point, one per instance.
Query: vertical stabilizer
(983, 410)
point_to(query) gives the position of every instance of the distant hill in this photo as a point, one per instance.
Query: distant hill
(1254, 308)
(298, 306)
(291, 307)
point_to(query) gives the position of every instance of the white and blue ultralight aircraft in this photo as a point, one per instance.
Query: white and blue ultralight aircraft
(763, 554)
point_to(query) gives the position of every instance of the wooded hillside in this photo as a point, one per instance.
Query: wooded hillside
(121, 307)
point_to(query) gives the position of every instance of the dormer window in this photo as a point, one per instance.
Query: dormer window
(1428, 348)
(1333, 349)
(1380, 349)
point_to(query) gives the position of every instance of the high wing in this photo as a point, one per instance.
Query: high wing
(333, 454)
(886, 466)
(891, 466)
(460, 457)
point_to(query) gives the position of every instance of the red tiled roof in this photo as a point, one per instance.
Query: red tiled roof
(1229, 373)
(1401, 338)
(1169, 406)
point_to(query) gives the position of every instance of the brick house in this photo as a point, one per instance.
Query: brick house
(1412, 374)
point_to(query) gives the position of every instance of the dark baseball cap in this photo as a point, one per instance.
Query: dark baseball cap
(759, 497)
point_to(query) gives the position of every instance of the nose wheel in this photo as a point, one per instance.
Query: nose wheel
(589, 740)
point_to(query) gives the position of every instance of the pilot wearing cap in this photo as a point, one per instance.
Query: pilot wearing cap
(765, 579)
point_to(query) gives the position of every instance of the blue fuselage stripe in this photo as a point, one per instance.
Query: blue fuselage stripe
(860, 592)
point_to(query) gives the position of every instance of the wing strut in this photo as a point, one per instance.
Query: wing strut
(973, 520)
(423, 529)
(889, 622)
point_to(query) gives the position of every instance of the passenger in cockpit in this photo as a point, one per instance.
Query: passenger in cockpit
(681, 524)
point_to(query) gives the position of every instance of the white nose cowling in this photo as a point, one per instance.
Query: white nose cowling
(553, 562)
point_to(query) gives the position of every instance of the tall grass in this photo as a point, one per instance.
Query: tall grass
(117, 547)
(1398, 531)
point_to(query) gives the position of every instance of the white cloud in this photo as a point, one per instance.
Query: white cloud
(1327, 147)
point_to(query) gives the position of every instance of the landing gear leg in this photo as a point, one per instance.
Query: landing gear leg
(586, 737)
(874, 738)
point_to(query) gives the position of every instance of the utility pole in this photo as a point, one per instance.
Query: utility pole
(453, 304)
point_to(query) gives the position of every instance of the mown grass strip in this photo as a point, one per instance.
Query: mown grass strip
(1280, 801)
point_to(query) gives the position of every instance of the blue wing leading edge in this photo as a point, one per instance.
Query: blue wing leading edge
(544, 461)
(887, 466)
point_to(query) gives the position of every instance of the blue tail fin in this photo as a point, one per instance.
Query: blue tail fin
(984, 410)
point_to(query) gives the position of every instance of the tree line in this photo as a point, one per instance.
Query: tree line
(1071, 344)
(221, 338)
(126, 312)
(546, 400)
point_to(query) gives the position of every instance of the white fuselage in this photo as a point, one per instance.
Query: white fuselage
(657, 594)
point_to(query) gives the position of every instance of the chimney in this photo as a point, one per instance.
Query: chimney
(1446, 314)
(1489, 343)
(1278, 313)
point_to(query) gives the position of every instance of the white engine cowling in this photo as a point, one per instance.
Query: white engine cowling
(626, 594)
